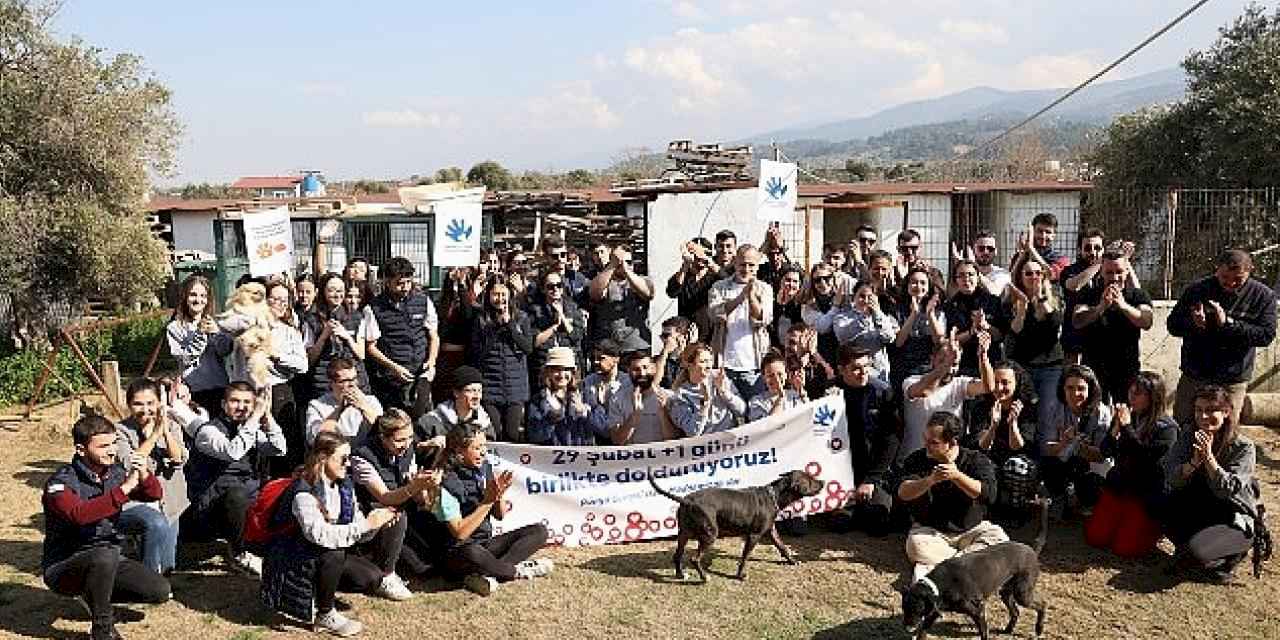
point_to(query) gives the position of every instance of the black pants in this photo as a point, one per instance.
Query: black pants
(103, 576)
(386, 546)
(284, 409)
(498, 556)
(337, 568)
(507, 419)
(413, 398)
(1057, 474)
(223, 515)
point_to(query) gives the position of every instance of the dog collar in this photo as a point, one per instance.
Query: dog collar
(930, 583)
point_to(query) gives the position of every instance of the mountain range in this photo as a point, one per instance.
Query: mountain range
(1096, 104)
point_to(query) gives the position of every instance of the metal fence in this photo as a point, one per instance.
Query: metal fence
(1179, 232)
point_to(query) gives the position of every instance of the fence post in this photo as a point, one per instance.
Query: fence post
(807, 236)
(1170, 238)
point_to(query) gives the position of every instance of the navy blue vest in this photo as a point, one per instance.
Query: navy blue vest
(203, 470)
(403, 336)
(467, 485)
(62, 539)
(393, 471)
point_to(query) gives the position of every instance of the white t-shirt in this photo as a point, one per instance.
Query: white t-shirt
(739, 348)
(999, 279)
(949, 398)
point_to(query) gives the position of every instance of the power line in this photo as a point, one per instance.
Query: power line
(1086, 83)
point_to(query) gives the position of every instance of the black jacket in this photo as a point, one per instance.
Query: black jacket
(1224, 354)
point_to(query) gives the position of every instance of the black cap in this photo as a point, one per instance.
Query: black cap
(465, 375)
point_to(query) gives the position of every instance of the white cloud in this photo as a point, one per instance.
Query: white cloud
(409, 119)
(683, 66)
(931, 81)
(573, 104)
(1045, 71)
(686, 10)
(966, 30)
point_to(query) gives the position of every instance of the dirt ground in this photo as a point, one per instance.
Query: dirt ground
(842, 589)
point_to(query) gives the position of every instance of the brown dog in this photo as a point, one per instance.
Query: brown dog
(751, 513)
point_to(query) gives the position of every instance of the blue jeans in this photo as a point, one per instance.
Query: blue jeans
(1046, 381)
(159, 536)
(748, 384)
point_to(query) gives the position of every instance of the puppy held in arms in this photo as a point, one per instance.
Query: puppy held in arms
(751, 513)
(249, 319)
(963, 583)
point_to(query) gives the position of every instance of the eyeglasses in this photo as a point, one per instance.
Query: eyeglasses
(867, 239)
(552, 286)
(982, 248)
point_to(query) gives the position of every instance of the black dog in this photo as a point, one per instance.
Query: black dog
(705, 514)
(963, 584)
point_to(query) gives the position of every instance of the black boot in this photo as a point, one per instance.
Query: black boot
(104, 632)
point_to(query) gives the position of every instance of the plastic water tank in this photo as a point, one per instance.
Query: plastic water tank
(311, 185)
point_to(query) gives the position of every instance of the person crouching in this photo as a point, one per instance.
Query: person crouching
(302, 569)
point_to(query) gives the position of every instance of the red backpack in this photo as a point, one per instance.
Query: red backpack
(257, 523)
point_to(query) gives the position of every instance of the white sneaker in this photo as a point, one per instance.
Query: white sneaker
(534, 568)
(482, 585)
(247, 563)
(337, 624)
(393, 588)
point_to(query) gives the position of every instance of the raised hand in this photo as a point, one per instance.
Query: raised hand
(1198, 316)
(1219, 315)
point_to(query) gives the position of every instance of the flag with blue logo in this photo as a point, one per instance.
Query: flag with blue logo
(776, 197)
(457, 234)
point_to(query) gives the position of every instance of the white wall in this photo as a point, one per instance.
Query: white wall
(193, 230)
(674, 218)
(1014, 211)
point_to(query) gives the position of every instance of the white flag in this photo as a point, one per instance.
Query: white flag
(776, 197)
(457, 234)
(268, 238)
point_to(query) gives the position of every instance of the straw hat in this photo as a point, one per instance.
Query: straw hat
(561, 357)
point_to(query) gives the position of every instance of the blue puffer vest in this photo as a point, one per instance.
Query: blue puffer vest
(62, 539)
(467, 485)
(289, 567)
(403, 336)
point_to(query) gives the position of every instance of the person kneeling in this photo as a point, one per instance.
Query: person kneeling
(82, 503)
(304, 567)
(948, 489)
(1213, 509)
(470, 494)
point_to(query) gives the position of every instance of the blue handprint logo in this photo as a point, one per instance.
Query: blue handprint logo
(823, 416)
(774, 187)
(458, 230)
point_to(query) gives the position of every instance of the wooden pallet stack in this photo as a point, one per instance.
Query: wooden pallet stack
(519, 216)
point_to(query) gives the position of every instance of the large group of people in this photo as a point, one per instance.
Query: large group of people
(971, 391)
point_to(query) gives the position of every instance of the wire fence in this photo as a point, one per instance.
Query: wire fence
(1179, 232)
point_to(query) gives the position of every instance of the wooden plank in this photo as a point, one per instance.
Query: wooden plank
(111, 380)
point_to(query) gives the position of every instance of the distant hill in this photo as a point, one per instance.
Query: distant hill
(1096, 104)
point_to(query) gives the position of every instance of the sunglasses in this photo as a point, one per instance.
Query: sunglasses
(867, 240)
(552, 286)
(1093, 248)
(984, 249)
(826, 279)
(908, 247)
(559, 254)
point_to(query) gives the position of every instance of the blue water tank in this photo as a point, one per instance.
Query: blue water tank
(311, 185)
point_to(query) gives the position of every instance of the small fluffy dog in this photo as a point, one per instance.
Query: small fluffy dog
(751, 513)
(249, 319)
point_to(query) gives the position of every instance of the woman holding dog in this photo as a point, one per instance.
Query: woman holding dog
(1213, 514)
(558, 414)
(705, 400)
(470, 496)
(288, 360)
(1141, 435)
(198, 344)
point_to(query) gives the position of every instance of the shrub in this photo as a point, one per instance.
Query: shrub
(130, 343)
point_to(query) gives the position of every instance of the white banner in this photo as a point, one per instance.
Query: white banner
(457, 234)
(601, 495)
(268, 238)
(776, 196)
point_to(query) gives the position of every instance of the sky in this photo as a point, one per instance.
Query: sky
(387, 89)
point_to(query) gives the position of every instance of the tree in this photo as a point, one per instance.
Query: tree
(79, 133)
(579, 179)
(637, 163)
(492, 175)
(449, 174)
(1226, 133)
(858, 170)
(205, 190)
